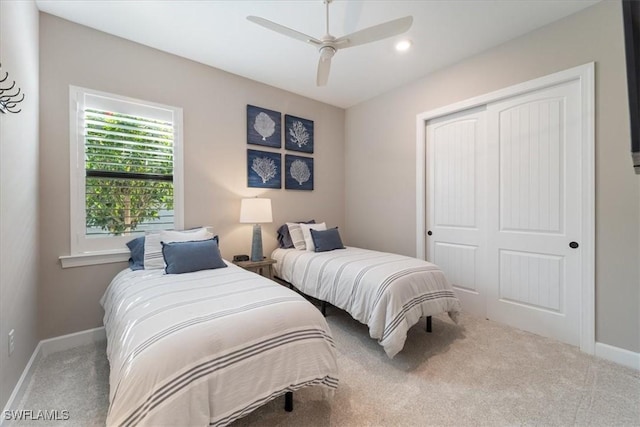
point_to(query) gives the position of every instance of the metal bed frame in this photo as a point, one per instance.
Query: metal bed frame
(324, 304)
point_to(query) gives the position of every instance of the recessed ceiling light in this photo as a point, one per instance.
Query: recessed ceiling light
(403, 45)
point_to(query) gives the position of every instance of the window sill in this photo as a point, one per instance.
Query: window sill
(93, 258)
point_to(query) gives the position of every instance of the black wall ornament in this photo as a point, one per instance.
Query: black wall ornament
(10, 95)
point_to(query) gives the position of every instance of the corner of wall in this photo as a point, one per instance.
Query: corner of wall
(19, 188)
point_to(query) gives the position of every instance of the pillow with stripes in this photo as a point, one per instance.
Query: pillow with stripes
(296, 236)
(284, 237)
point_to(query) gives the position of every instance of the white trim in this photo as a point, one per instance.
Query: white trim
(45, 348)
(93, 258)
(178, 170)
(421, 182)
(588, 247)
(69, 341)
(618, 355)
(21, 386)
(585, 75)
(81, 246)
(76, 181)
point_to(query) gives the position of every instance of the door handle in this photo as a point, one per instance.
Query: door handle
(429, 233)
(573, 245)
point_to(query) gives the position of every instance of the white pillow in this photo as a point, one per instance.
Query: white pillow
(296, 236)
(153, 258)
(308, 240)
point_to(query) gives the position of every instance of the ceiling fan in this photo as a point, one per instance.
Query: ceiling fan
(328, 45)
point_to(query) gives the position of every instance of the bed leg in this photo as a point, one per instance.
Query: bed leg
(428, 323)
(288, 401)
(323, 308)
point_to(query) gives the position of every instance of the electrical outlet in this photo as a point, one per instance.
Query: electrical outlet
(12, 342)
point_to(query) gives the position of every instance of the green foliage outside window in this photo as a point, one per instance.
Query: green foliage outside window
(129, 167)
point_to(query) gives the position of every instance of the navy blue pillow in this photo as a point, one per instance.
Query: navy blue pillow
(284, 238)
(136, 246)
(326, 240)
(187, 257)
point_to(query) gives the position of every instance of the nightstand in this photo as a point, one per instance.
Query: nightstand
(263, 267)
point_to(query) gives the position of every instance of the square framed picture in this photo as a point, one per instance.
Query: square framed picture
(298, 172)
(264, 127)
(264, 169)
(298, 134)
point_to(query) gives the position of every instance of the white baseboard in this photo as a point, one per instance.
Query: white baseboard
(45, 348)
(23, 382)
(66, 342)
(618, 355)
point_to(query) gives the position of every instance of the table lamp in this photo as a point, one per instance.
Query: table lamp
(256, 211)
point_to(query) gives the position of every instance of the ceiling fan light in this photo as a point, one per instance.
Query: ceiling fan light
(403, 45)
(327, 52)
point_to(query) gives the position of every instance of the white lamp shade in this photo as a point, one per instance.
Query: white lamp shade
(255, 211)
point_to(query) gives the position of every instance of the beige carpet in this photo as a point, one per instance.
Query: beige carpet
(475, 373)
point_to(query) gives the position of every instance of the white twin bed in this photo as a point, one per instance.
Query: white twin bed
(212, 342)
(387, 292)
(208, 347)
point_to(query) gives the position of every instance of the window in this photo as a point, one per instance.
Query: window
(125, 170)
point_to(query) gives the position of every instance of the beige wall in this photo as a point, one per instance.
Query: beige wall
(380, 207)
(19, 238)
(214, 105)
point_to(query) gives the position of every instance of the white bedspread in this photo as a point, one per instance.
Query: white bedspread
(209, 347)
(387, 292)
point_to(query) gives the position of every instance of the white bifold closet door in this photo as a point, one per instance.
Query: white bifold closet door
(504, 209)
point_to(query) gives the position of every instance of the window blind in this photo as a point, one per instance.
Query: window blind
(129, 173)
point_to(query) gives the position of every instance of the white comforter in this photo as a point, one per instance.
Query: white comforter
(387, 292)
(208, 347)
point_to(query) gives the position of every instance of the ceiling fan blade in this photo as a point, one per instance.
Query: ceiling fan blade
(284, 30)
(375, 33)
(324, 65)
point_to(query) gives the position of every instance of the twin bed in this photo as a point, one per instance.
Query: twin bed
(387, 292)
(209, 346)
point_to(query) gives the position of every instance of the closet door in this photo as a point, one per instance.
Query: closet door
(455, 203)
(504, 209)
(534, 204)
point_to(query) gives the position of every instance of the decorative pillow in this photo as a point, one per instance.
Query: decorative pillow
(187, 257)
(296, 235)
(153, 248)
(306, 232)
(284, 237)
(326, 240)
(136, 260)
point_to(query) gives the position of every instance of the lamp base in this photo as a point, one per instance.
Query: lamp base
(256, 243)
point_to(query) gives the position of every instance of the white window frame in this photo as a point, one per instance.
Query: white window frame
(89, 251)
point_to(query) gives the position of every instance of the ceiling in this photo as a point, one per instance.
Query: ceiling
(218, 34)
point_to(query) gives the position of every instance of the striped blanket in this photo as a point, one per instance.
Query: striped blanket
(387, 292)
(207, 348)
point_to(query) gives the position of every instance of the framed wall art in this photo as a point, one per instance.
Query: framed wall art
(298, 172)
(298, 134)
(264, 127)
(264, 169)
